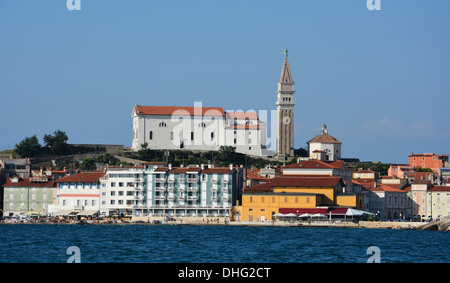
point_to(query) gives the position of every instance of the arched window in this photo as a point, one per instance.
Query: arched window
(162, 124)
(203, 125)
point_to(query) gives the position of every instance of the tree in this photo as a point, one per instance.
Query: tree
(28, 147)
(57, 143)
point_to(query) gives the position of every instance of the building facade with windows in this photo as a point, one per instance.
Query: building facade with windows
(31, 195)
(166, 191)
(78, 195)
(428, 160)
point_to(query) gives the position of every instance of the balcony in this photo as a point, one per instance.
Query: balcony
(192, 189)
(225, 197)
(214, 188)
(139, 180)
(214, 181)
(170, 181)
(170, 197)
(225, 181)
(181, 180)
(160, 180)
(160, 197)
(192, 198)
(192, 180)
(160, 189)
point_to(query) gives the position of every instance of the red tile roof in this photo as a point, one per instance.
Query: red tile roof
(283, 181)
(30, 182)
(243, 115)
(440, 189)
(179, 110)
(386, 188)
(84, 177)
(217, 170)
(324, 138)
(316, 164)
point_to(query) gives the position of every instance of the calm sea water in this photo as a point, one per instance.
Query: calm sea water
(218, 244)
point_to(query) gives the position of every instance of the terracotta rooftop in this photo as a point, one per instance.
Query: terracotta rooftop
(179, 110)
(323, 181)
(30, 182)
(316, 164)
(84, 177)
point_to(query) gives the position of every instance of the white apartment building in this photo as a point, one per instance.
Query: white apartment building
(122, 189)
(78, 195)
(192, 191)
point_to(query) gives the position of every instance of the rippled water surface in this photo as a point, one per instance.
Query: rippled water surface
(218, 244)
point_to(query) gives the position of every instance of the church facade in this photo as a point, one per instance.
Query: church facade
(208, 128)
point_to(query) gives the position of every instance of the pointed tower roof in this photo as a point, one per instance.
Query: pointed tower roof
(286, 76)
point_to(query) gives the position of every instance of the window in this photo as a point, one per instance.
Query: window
(262, 199)
(201, 125)
(251, 199)
(162, 124)
(171, 135)
(285, 199)
(192, 136)
(150, 135)
(273, 199)
(113, 193)
(212, 135)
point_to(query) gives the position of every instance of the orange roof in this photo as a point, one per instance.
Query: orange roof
(27, 182)
(323, 181)
(324, 138)
(316, 164)
(179, 110)
(84, 177)
(386, 188)
(243, 115)
(440, 189)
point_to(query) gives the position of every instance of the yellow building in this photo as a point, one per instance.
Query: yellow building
(261, 202)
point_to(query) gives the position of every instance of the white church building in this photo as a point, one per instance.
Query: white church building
(208, 128)
(197, 128)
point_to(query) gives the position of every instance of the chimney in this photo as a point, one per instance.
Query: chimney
(203, 166)
(170, 166)
(231, 166)
(209, 166)
(181, 165)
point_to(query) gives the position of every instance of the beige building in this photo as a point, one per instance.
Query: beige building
(439, 199)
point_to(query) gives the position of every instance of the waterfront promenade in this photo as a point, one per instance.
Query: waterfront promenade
(221, 221)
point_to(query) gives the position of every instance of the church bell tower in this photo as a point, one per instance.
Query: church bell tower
(285, 110)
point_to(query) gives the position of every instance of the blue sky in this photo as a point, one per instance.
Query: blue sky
(379, 80)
